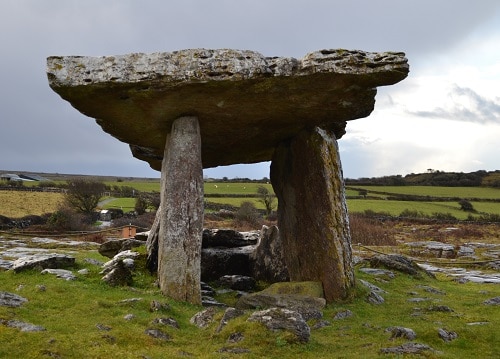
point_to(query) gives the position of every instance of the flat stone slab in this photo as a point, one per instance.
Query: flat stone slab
(246, 103)
(11, 300)
(43, 261)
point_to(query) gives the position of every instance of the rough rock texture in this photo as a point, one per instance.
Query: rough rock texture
(181, 216)
(268, 261)
(281, 318)
(11, 300)
(43, 261)
(246, 103)
(312, 215)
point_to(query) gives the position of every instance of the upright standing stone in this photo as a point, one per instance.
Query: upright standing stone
(306, 174)
(181, 220)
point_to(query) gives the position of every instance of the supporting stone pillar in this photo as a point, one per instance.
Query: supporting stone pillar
(306, 175)
(181, 213)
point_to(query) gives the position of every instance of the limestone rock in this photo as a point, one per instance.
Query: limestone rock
(492, 301)
(298, 296)
(402, 332)
(284, 319)
(60, 273)
(114, 246)
(204, 318)
(268, 261)
(446, 335)
(258, 101)
(396, 262)
(227, 238)
(43, 261)
(22, 326)
(314, 227)
(229, 314)
(11, 300)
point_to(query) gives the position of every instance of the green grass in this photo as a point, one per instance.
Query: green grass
(395, 208)
(70, 312)
(434, 191)
(125, 204)
(234, 188)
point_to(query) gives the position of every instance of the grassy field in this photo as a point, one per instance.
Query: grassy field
(460, 192)
(71, 312)
(16, 204)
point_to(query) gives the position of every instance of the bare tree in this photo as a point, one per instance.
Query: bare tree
(267, 198)
(84, 195)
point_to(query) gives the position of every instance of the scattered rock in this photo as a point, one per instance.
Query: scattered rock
(110, 248)
(43, 261)
(321, 324)
(418, 299)
(156, 306)
(11, 300)
(402, 332)
(375, 298)
(235, 337)
(280, 318)
(492, 301)
(440, 308)
(171, 322)
(119, 275)
(129, 317)
(22, 326)
(432, 290)
(343, 314)
(60, 273)
(103, 327)
(237, 282)
(407, 348)
(396, 262)
(447, 336)
(465, 251)
(157, 334)
(377, 272)
(229, 313)
(285, 295)
(204, 318)
(372, 287)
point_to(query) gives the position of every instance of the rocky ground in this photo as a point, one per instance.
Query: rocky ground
(462, 251)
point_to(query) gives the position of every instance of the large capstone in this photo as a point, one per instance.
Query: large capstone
(246, 103)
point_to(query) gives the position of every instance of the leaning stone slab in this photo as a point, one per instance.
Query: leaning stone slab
(43, 261)
(11, 300)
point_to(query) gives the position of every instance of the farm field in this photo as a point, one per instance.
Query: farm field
(16, 204)
(434, 191)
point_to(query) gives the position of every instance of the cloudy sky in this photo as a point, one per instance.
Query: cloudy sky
(444, 116)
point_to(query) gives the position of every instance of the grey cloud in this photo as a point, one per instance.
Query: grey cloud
(41, 131)
(468, 106)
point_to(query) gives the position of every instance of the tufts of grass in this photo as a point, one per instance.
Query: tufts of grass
(72, 313)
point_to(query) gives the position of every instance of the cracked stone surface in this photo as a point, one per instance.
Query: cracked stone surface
(246, 103)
